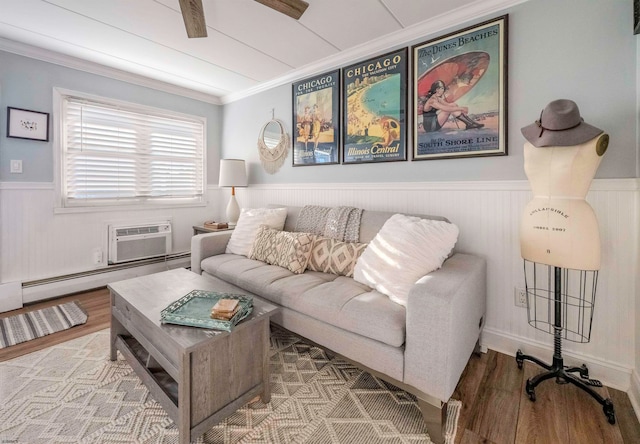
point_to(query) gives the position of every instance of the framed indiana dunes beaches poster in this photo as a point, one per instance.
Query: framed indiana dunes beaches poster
(460, 93)
(316, 120)
(374, 101)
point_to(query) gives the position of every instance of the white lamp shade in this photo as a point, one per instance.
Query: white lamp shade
(233, 173)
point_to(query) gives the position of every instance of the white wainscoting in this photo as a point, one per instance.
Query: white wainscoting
(488, 215)
(35, 244)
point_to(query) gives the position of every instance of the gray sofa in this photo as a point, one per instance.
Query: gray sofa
(422, 349)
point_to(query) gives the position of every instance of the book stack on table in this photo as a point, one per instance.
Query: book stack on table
(216, 225)
(225, 309)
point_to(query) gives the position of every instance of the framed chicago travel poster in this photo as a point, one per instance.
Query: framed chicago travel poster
(460, 93)
(316, 120)
(374, 101)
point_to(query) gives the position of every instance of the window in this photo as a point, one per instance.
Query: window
(115, 153)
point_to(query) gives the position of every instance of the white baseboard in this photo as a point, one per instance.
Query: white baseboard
(84, 283)
(10, 296)
(610, 374)
(634, 393)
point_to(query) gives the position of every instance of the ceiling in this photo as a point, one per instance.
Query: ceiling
(249, 46)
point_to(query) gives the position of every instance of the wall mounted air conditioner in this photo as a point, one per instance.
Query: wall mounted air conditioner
(139, 241)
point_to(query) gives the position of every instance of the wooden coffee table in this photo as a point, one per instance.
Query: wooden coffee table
(199, 376)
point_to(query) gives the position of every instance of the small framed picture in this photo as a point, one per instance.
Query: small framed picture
(25, 124)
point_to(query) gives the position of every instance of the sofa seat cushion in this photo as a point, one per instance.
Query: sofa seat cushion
(354, 307)
(268, 281)
(337, 300)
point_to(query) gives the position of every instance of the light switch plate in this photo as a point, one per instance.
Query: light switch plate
(16, 166)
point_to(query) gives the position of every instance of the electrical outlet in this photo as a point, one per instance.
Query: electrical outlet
(520, 295)
(97, 256)
(16, 166)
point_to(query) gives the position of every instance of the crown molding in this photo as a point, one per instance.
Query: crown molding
(68, 61)
(389, 42)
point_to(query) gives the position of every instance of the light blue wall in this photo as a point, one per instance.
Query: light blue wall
(582, 50)
(578, 49)
(28, 83)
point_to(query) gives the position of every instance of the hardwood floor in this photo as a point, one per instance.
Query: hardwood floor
(495, 407)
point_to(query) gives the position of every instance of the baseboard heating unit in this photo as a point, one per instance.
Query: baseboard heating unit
(139, 241)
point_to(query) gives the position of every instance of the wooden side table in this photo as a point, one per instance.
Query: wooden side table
(200, 229)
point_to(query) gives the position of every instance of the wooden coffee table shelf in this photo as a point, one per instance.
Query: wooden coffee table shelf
(154, 378)
(199, 376)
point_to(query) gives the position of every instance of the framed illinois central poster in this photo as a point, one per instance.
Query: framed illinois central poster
(460, 93)
(374, 101)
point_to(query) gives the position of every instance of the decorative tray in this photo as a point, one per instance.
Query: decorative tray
(194, 310)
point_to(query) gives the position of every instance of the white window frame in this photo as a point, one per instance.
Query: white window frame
(63, 205)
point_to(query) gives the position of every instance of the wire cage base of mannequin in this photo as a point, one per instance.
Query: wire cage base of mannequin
(560, 301)
(574, 303)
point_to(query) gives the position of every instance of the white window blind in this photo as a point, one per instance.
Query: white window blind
(115, 155)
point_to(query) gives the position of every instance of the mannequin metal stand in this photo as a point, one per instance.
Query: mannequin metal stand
(558, 370)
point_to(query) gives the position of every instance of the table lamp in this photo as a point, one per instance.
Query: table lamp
(232, 174)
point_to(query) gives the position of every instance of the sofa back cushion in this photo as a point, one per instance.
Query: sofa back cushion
(334, 256)
(373, 221)
(370, 223)
(282, 248)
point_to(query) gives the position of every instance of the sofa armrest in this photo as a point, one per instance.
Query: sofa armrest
(205, 245)
(445, 315)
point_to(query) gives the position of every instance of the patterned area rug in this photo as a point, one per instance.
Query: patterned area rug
(72, 393)
(35, 324)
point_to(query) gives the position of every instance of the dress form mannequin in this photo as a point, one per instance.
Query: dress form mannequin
(559, 238)
(558, 226)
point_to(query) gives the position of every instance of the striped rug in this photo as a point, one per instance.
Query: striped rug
(38, 323)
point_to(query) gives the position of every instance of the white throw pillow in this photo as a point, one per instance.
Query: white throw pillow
(405, 249)
(249, 221)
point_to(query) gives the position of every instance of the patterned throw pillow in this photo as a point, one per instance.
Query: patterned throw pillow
(334, 256)
(282, 248)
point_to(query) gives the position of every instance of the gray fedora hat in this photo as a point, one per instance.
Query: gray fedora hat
(560, 124)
